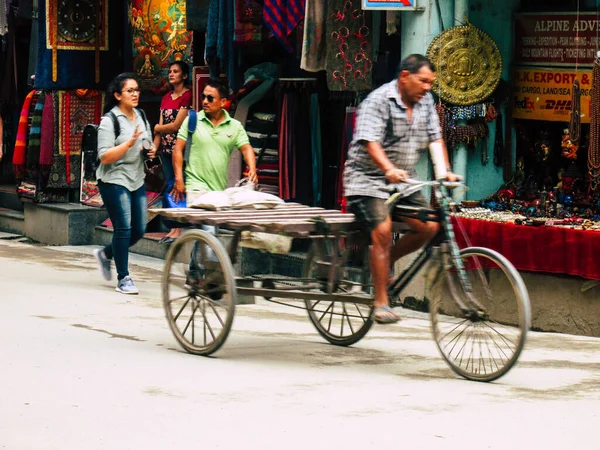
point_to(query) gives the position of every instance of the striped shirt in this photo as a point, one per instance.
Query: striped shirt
(382, 118)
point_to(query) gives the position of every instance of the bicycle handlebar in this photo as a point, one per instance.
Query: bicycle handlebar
(448, 184)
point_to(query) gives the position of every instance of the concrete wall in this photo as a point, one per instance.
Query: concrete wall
(559, 303)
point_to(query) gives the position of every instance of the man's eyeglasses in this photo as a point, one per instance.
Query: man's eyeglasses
(209, 97)
(131, 91)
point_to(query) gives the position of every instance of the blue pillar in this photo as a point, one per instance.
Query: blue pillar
(419, 28)
(459, 159)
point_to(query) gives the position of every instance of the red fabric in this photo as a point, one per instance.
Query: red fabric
(537, 249)
(47, 137)
(20, 150)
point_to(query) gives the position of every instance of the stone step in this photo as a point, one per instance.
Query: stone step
(12, 221)
(9, 198)
(62, 223)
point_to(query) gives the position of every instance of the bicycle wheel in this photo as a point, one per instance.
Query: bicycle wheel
(199, 293)
(340, 323)
(483, 343)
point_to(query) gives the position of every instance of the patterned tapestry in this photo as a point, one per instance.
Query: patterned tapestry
(349, 61)
(75, 110)
(61, 35)
(82, 26)
(73, 61)
(159, 38)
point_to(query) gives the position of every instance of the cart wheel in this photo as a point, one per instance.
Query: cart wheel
(340, 323)
(199, 293)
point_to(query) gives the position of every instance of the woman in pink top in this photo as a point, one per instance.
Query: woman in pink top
(173, 110)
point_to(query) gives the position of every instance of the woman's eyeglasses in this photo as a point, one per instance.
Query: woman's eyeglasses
(209, 97)
(131, 91)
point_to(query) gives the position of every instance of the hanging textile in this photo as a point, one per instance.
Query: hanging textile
(391, 20)
(20, 153)
(285, 122)
(47, 136)
(78, 64)
(159, 37)
(35, 133)
(295, 151)
(281, 17)
(3, 17)
(248, 21)
(314, 44)
(33, 45)
(219, 51)
(349, 62)
(73, 110)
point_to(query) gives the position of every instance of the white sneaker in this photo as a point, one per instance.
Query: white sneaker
(103, 264)
(126, 286)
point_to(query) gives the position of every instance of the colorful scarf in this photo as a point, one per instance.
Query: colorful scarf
(281, 17)
(35, 132)
(21, 142)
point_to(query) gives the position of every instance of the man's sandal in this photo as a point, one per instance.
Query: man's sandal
(384, 315)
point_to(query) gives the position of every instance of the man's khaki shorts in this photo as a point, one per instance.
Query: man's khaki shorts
(371, 211)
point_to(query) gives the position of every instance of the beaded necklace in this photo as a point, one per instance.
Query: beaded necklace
(594, 145)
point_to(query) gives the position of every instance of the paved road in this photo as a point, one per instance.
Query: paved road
(82, 367)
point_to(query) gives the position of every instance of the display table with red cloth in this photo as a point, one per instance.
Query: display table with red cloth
(548, 249)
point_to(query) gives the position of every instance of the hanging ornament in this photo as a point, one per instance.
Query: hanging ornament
(594, 145)
(470, 65)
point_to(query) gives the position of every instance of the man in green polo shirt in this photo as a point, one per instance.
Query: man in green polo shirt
(216, 136)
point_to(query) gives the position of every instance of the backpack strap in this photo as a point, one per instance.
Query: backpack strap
(115, 122)
(192, 122)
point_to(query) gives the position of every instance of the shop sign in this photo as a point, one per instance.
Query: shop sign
(541, 94)
(407, 5)
(556, 39)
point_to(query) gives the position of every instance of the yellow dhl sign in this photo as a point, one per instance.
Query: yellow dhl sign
(543, 94)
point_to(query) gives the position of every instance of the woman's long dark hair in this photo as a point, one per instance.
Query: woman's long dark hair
(116, 86)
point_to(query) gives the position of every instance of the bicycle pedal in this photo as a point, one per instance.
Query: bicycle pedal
(396, 303)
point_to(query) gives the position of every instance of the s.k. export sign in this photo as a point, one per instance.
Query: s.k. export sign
(543, 94)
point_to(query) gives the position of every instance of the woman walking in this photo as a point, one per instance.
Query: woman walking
(121, 175)
(173, 110)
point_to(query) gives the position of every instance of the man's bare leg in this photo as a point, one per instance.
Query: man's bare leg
(381, 237)
(420, 233)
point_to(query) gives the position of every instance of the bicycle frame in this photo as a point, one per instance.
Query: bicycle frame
(450, 257)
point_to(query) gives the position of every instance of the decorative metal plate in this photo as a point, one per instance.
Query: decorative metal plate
(469, 65)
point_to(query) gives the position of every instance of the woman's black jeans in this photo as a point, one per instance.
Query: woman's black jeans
(127, 212)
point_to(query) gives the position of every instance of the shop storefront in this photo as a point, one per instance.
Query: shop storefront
(552, 193)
